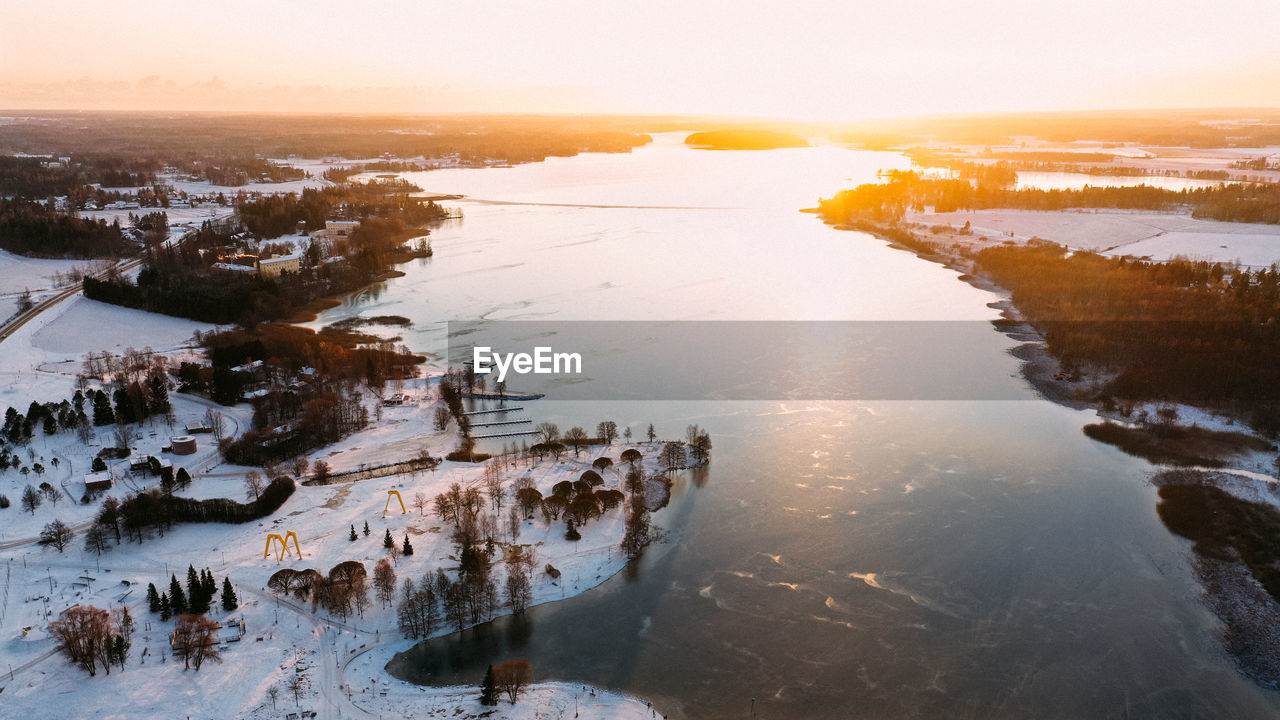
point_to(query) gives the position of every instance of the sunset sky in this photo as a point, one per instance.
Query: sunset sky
(807, 60)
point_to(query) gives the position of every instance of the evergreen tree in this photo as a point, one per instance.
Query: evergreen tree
(159, 401)
(177, 598)
(387, 542)
(196, 601)
(408, 549)
(488, 689)
(353, 536)
(102, 413)
(210, 585)
(183, 479)
(366, 528)
(153, 598)
(166, 607)
(229, 600)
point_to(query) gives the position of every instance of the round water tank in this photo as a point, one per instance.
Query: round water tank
(183, 445)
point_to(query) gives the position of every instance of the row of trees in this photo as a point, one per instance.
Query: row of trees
(196, 599)
(1238, 202)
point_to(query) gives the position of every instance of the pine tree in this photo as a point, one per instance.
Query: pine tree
(488, 690)
(353, 536)
(210, 585)
(102, 413)
(177, 598)
(166, 608)
(366, 528)
(153, 598)
(408, 549)
(196, 601)
(229, 600)
(387, 542)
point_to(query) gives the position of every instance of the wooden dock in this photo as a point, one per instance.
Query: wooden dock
(506, 434)
(494, 410)
(502, 422)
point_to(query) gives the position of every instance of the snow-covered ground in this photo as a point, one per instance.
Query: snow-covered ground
(177, 216)
(18, 273)
(40, 361)
(1158, 235)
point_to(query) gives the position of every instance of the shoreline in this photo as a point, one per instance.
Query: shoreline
(1231, 593)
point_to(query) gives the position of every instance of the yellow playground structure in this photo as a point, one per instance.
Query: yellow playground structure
(395, 493)
(284, 545)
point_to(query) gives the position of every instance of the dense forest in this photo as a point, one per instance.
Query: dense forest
(1240, 202)
(36, 229)
(1180, 331)
(40, 178)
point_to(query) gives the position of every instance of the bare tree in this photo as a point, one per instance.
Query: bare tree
(30, 499)
(493, 483)
(217, 425)
(514, 519)
(273, 692)
(607, 430)
(57, 534)
(511, 677)
(195, 638)
(576, 437)
(519, 588)
(548, 431)
(80, 631)
(122, 434)
(300, 465)
(320, 471)
(97, 538)
(359, 591)
(253, 485)
(297, 684)
(384, 581)
(420, 503)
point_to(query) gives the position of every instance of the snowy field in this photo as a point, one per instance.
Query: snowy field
(177, 216)
(18, 273)
(1157, 235)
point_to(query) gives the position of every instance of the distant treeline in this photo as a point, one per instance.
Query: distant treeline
(1180, 331)
(1257, 203)
(35, 229)
(745, 139)
(1165, 128)
(221, 139)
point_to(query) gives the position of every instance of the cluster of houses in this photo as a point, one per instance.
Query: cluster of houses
(275, 265)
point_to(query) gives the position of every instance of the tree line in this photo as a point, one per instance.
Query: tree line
(1236, 202)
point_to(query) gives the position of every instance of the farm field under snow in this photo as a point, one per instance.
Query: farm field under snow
(1158, 235)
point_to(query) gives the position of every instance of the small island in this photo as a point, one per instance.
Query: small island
(745, 139)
